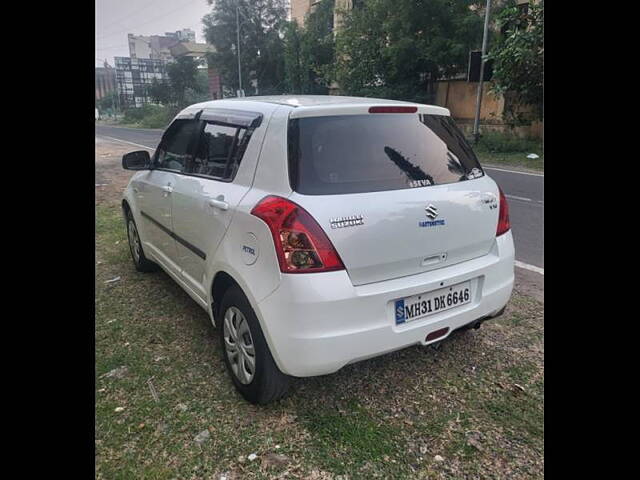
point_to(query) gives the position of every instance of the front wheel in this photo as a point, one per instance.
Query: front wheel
(142, 263)
(246, 353)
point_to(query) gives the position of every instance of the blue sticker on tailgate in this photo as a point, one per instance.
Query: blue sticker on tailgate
(400, 318)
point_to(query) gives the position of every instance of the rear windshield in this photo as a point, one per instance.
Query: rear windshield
(376, 152)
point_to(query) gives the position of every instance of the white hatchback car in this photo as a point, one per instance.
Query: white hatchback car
(320, 230)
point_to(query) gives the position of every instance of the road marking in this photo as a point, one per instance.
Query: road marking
(526, 266)
(515, 171)
(130, 143)
(524, 199)
(133, 128)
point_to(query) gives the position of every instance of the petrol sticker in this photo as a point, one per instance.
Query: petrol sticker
(249, 249)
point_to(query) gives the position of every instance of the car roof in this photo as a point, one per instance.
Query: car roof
(312, 104)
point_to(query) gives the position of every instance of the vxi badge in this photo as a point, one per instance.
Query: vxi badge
(432, 213)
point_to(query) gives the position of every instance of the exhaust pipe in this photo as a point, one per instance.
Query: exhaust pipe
(477, 323)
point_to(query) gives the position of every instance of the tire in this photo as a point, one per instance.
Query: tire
(141, 262)
(266, 383)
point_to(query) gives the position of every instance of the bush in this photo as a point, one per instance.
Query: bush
(496, 142)
(149, 116)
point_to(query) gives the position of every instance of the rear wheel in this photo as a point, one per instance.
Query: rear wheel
(246, 353)
(141, 262)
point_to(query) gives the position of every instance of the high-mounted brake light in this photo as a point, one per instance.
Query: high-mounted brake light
(503, 216)
(301, 244)
(393, 109)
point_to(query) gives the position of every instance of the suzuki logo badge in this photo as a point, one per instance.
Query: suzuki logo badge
(432, 212)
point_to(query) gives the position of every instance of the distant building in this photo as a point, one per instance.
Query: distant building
(184, 35)
(155, 47)
(197, 51)
(158, 46)
(148, 57)
(105, 81)
(301, 8)
(134, 76)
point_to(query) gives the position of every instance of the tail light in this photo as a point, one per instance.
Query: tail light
(301, 244)
(503, 217)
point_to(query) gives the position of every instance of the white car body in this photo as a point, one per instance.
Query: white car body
(316, 323)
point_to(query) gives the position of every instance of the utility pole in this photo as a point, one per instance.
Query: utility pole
(476, 121)
(240, 92)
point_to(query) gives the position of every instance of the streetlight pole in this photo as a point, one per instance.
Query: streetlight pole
(238, 50)
(476, 121)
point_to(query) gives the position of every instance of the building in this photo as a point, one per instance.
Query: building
(158, 46)
(198, 51)
(105, 81)
(184, 35)
(300, 9)
(134, 76)
(155, 47)
(148, 57)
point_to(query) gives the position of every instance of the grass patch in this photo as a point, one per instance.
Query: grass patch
(509, 150)
(353, 441)
(149, 116)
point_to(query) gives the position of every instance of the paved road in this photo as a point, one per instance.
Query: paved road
(525, 193)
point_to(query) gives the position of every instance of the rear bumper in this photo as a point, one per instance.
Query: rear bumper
(317, 323)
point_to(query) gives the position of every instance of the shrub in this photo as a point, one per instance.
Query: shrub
(149, 116)
(496, 142)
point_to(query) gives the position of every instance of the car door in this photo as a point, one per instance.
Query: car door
(155, 189)
(205, 198)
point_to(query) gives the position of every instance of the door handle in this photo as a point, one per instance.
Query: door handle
(219, 202)
(167, 189)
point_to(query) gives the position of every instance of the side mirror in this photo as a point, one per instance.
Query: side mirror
(139, 160)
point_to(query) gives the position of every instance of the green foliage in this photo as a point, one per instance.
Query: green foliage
(150, 116)
(160, 92)
(186, 85)
(294, 73)
(310, 52)
(398, 48)
(108, 102)
(182, 76)
(199, 93)
(262, 25)
(496, 142)
(518, 68)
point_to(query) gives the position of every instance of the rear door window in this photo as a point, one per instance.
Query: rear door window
(377, 152)
(219, 151)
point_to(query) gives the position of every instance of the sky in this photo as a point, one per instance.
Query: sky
(116, 18)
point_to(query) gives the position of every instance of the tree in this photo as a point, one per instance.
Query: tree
(108, 102)
(201, 91)
(310, 51)
(398, 48)
(160, 92)
(518, 62)
(182, 75)
(262, 24)
(295, 78)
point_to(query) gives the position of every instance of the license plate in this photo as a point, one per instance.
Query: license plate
(420, 306)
